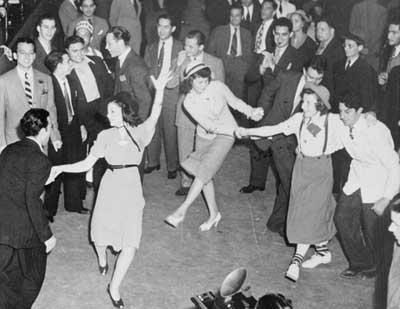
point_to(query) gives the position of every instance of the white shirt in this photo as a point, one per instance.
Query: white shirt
(46, 45)
(350, 62)
(167, 54)
(248, 9)
(265, 28)
(61, 83)
(239, 43)
(297, 96)
(87, 79)
(396, 51)
(287, 8)
(21, 74)
(123, 56)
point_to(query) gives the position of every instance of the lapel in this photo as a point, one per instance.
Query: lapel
(175, 49)
(20, 96)
(291, 89)
(154, 52)
(285, 62)
(39, 88)
(226, 38)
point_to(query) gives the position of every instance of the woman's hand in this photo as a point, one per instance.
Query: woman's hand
(162, 80)
(257, 114)
(241, 132)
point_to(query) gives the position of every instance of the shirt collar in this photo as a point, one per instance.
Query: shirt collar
(123, 56)
(168, 41)
(199, 57)
(396, 51)
(361, 124)
(21, 72)
(60, 80)
(233, 28)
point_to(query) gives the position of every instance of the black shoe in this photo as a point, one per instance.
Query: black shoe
(150, 169)
(172, 174)
(350, 274)
(116, 303)
(182, 191)
(250, 189)
(368, 273)
(103, 270)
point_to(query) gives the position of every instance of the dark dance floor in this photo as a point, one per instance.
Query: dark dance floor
(173, 265)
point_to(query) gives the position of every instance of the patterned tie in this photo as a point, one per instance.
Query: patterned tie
(234, 46)
(28, 89)
(259, 37)
(70, 109)
(160, 59)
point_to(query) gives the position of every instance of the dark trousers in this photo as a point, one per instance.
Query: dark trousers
(357, 226)
(341, 165)
(22, 273)
(282, 157)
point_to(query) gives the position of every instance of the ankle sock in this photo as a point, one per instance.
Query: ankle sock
(321, 249)
(297, 259)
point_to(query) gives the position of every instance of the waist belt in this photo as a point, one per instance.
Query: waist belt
(118, 167)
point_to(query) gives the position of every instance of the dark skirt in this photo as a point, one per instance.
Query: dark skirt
(311, 205)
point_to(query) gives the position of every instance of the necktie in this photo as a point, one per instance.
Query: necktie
(28, 89)
(351, 133)
(234, 45)
(280, 8)
(70, 110)
(347, 65)
(320, 49)
(259, 37)
(160, 59)
(248, 15)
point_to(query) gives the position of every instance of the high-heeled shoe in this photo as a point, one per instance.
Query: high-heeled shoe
(103, 270)
(116, 303)
(206, 226)
(173, 220)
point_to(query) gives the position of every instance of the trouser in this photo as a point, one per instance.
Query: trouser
(186, 139)
(165, 133)
(22, 273)
(358, 227)
(341, 161)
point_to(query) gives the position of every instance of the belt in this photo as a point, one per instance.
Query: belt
(118, 167)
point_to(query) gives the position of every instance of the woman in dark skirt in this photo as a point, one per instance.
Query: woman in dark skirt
(311, 206)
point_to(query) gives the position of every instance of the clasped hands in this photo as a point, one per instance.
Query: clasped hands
(268, 62)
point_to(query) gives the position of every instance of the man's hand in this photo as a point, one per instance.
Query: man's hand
(181, 58)
(380, 205)
(83, 133)
(54, 172)
(50, 243)
(57, 145)
(382, 78)
(257, 114)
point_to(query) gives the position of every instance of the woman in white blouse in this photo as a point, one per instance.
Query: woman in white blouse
(208, 104)
(311, 205)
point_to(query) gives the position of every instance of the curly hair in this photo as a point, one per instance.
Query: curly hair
(274, 301)
(187, 84)
(129, 107)
(33, 121)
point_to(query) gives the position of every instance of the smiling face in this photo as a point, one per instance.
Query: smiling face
(281, 36)
(114, 114)
(309, 105)
(349, 116)
(25, 55)
(47, 29)
(76, 52)
(200, 84)
(88, 7)
(267, 10)
(235, 17)
(192, 47)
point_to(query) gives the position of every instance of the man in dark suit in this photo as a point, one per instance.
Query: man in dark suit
(251, 15)
(217, 11)
(233, 44)
(25, 235)
(93, 85)
(281, 99)
(162, 56)
(73, 134)
(131, 72)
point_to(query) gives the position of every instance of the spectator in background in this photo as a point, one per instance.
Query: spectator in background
(84, 30)
(251, 15)
(193, 18)
(100, 25)
(217, 11)
(284, 8)
(68, 12)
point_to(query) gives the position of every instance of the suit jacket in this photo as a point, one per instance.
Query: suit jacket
(93, 114)
(360, 78)
(67, 13)
(100, 28)
(14, 104)
(133, 77)
(217, 12)
(277, 101)
(41, 54)
(24, 170)
(122, 13)
(218, 43)
(255, 21)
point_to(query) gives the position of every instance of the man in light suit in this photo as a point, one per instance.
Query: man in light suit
(233, 44)
(161, 56)
(131, 72)
(194, 51)
(67, 13)
(24, 88)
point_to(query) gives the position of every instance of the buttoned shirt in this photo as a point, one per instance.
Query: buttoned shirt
(21, 74)
(239, 43)
(265, 28)
(287, 8)
(167, 54)
(123, 56)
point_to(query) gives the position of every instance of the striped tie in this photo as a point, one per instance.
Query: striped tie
(28, 89)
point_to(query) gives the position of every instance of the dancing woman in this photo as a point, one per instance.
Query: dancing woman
(208, 103)
(311, 205)
(117, 216)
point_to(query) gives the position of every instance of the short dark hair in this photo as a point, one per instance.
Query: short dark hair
(274, 4)
(44, 17)
(187, 84)
(351, 100)
(129, 107)
(283, 22)
(198, 35)
(318, 63)
(171, 19)
(33, 121)
(120, 33)
(73, 39)
(236, 6)
(394, 20)
(274, 301)
(326, 19)
(319, 106)
(25, 40)
(53, 59)
(80, 2)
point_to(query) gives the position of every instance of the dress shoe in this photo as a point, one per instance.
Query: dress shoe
(172, 174)
(350, 274)
(250, 189)
(150, 169)
(103, 270)
(182, 191)
(206, 226)
(174, 220)
(116, 303)
(83, 211)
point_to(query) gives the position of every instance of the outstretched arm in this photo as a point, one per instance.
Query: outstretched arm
(259, 132)
(78, 167)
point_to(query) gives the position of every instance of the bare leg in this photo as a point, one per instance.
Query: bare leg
(124, 260)
(102, 255)
(194, 192)
(209, 195)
